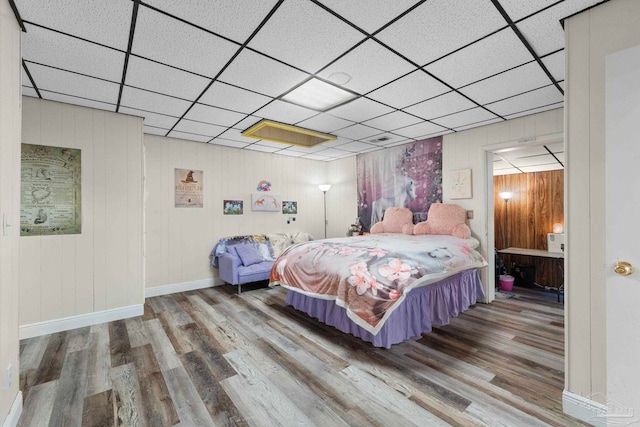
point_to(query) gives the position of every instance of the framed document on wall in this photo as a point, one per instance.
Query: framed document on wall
(460, 187)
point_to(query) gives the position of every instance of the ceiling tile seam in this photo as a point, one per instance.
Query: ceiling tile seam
(546, 55)
(17, 15)
(184, 21)
(132, 30)
(235, 55)
(507, 161)
(465, 46)
(496, 74)
(147, 111)
(26, 70)
(438, 79)
(73, 36)
(538, 11)
(554, 156)
(518, 94)
(559, 104)
(580, 11)
(70, 71)
(170, 66)
(402, 110)
(526, 43)
(76, 96)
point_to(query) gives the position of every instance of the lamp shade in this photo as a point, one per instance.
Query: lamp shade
(505, 195)
(324, 187)
(558, 228)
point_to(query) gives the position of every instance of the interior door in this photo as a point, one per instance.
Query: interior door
(622, 234)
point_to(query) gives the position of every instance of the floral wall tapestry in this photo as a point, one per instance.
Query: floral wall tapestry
(407, 175)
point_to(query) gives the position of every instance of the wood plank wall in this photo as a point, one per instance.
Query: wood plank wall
(525, 220)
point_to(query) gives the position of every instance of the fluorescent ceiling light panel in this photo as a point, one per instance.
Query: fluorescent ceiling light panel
(318, 95)
(286, 134)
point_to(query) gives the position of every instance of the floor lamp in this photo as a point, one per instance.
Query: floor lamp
(324, 188)
(506, 195)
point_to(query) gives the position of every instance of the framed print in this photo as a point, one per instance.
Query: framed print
(460, 184)
(266, 203)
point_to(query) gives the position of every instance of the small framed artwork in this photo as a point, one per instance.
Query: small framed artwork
(289, 207)
(266, 203)
(460, 184)
(233, 207)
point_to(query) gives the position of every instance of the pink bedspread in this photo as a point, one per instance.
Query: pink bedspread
(370, 275)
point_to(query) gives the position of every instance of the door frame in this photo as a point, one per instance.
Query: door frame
(487, 153)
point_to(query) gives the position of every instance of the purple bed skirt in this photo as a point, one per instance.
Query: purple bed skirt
(423, 307)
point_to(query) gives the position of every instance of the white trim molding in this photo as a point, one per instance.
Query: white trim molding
(14, 413)
(82, 320)
(180, 287)
(584, 409)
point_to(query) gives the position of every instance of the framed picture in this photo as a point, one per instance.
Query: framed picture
(188, 188)
(266, 203)
(289, 207)
(460, 184)
(233, 207)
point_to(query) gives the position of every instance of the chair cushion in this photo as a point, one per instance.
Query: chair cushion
(248, 254)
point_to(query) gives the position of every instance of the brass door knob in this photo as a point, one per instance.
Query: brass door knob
(623, 268)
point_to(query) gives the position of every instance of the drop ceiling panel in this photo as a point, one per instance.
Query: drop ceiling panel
(261, 74)
(370, 15)
(334, 152)
(357, 132)
(189, 136)
(501, 164)
(234, 19)
(535, 99)
(410, 89)
(306, 150)
(149, 101)
(385, 139)
(476, 124)
(339, 141)
(229, 143)
(556, 147)
(262, 148)
(151, 119)
(154, 130)
(542, 168)
(247, 122)
(236, 135)
(487, 57)
(359, 62)
(51, 96)
(420, 130)
(316, 157)
(272, 144)
(105, 22)
(543, 159)
(290, 153)
(173, 42)
(303, 34)
(544, 31)
(360, 110)
(465, 118)
(395, 120)
(55, 80)
(509, 83)
(57, 50)
(534, 150)
(555, 64)
(233, 98)
(440, 106)
(534, 111)
(29, 91)
(325, 123)
(285, 112)
(199, 128)
(216, 116)
(509, 171)
(436, 28)
(357, 146)
(163, 79)
(518, 9)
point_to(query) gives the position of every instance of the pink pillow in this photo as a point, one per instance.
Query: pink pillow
(445, 219)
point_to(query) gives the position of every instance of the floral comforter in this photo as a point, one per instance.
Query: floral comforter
(370, 275)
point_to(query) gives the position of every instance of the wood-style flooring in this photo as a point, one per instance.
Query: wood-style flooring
(212, 357)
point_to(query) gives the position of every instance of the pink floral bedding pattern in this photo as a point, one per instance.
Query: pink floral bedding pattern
(370, 275)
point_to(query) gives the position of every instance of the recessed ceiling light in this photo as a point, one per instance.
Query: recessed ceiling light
(318, 95)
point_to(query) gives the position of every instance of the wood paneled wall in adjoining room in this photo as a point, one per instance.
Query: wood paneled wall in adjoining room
(525, 220)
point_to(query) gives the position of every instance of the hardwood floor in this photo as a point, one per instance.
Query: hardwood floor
(211, 357)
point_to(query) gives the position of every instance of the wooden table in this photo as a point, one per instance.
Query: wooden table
(538, 253)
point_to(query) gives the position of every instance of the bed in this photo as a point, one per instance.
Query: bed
(382, 288)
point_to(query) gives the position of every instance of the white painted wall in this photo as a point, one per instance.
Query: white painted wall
(179, 240)
(9, 204)
(590, 37)
(100, 269)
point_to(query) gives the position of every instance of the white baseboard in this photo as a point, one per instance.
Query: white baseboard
(14, 412)
(82, 320)
(181, 287)
(584, 409)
